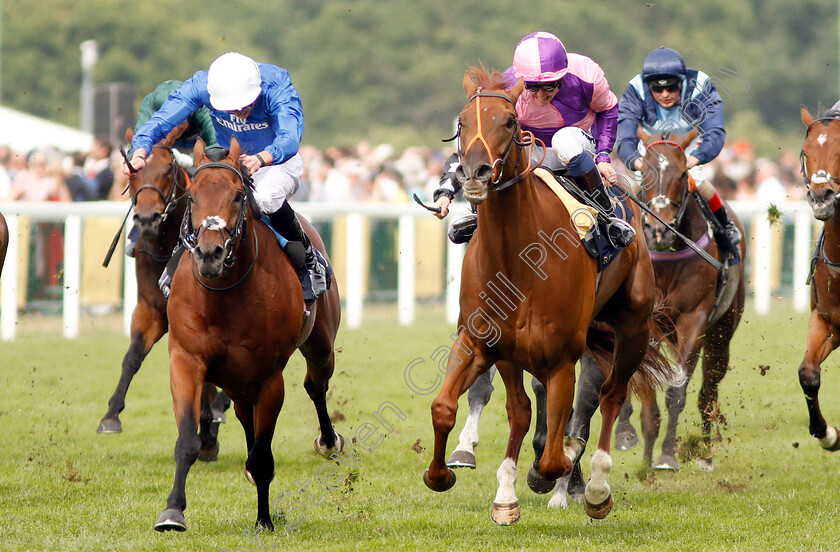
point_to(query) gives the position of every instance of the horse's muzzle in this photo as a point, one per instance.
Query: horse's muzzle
(475, 182)
(209, 260)
(148, 224)
(822, 202)
(658, 237)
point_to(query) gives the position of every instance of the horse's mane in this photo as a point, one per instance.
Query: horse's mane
(488, 79)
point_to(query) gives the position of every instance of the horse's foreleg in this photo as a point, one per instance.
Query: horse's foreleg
(478, 396)
(466, 362)
(185, 378)
(147, 327)
(689, 327)
(208, 430)
(822, 339)
(559, 392)
(259, 467)
(506, 505)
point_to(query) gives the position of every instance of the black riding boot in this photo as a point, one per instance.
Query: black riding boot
(729, 239)
(313, 277)
(620, 232)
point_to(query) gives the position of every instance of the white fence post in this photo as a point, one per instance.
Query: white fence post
(454, 263)
(761, 272)
(803, 224)
(354, 302)
(72, 274)
(406, 268)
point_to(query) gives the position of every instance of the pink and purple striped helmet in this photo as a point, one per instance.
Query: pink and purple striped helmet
(540, 57)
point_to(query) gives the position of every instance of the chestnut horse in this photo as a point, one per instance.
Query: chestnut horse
(821, 168)
(236, 315)
(545, 331)
(704, 314)
(157, 197)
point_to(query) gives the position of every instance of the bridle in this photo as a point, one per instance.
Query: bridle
(821, 176)
(661, 201)
(232, 236)
(170, 200)
(498, 164)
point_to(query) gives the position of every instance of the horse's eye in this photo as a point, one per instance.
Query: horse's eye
(511, 122)
(240, 197)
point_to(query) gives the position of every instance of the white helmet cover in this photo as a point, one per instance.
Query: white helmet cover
(233, 82)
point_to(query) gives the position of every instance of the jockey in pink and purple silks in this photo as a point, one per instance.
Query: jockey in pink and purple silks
(568, 104)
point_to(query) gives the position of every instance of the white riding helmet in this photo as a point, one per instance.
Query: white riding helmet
(233, 82)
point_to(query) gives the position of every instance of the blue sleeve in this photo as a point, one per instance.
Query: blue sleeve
(631, 110)
(286, 119)
(174, 111)
(711, 124)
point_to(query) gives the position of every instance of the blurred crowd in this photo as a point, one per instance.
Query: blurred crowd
(362, 172)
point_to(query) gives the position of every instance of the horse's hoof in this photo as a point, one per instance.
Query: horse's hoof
(667, 462)
(831, 440)
(171, 520)
(626, 438)
(505, 514)
(447, 484)
(109, 425)
(327, 453)
(265, 525)
(705, 465)
(537, 482)
(209, 455)
(461, 459)
(219, 416)
(250, 477)
(599, 511)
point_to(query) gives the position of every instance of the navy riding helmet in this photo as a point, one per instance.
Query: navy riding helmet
(663, 64)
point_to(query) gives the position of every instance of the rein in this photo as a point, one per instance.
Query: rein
(189, 237)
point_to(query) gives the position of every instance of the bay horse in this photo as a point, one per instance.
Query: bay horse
(4, 241)
(545, 331)
(236, 315)
(704, 307)
(157, 197)
(820, 168)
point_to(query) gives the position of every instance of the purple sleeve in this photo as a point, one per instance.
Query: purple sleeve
(606, 125)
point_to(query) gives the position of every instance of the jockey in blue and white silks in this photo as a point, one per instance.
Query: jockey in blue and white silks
(567, 103)
(668, 97)
(257, 103)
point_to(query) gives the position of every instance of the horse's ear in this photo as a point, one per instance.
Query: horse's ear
(692, 134)
(517, 89)
(643, 135)
(469, 84)
(198, 153)
(174, 134)
(807, 118)
(235, 150)
(129, 134)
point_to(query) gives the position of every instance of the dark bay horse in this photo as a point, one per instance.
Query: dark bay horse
(236, 315)
(821, 169)
(157, 197)
(703, 312)
(552, 293)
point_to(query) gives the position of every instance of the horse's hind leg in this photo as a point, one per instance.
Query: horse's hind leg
(147, 327)
(316, 383)
(822, 339)
(259, 467)
(650, 418)
(478, 397)
(208, 429)
(625, 434)
(506, 505)
(586, 403)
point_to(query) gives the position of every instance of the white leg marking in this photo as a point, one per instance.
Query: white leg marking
(506, 476)
(468, 438)
(598, 490)
(830, 438)
(558, 499)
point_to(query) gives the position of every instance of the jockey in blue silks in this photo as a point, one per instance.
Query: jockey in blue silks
(567, 103)
(257, 103)
(668, 97)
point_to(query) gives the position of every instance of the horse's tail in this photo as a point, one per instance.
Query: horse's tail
(656, 369)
